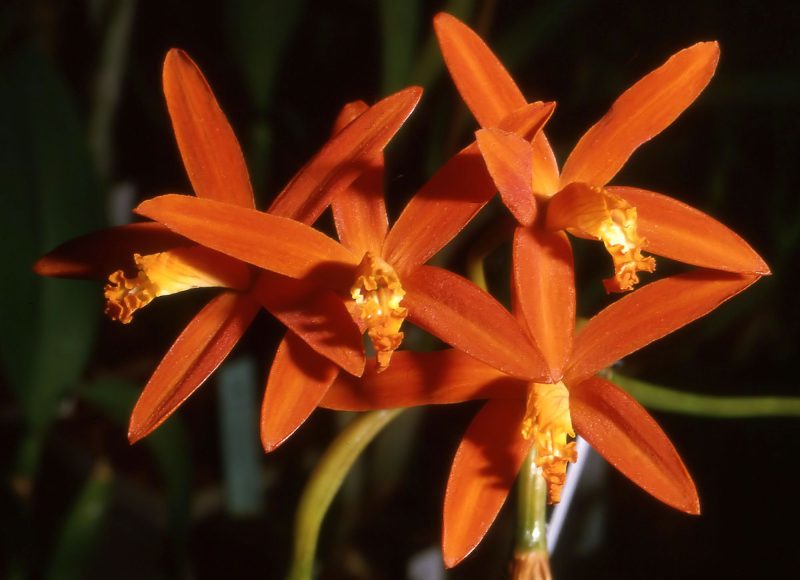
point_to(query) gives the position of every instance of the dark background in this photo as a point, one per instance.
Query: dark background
(84, 135)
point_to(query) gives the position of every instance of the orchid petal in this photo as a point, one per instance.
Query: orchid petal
(422, 378)
(641, 113)
(544, 289)
(298, 379)
(680, 232)
(484, 469)
(647, 314)
(344, 157)
(196, 353)
(509, 159)
(316, 315)
(466, 317)
(270, 242)
(209, 149)
(629, 438)
(359, 211)
(452, 197)
(349, 113)
(100, 253)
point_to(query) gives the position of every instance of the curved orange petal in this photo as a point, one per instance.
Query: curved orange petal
(647, 314)
(509, 160)
(298, 379)
(210, 151)
(484, 469)
(680, 232)
(543, 281)
(464, 316)
(641, 113)
(452, 197)
(271, 242)
(349, 113)
(197, 352)
(316, 315)
(100, 253)
(630, 440)
(423, 378)
(344, 157)
(359, 211)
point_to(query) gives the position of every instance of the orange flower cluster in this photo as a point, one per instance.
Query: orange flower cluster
(537, 374)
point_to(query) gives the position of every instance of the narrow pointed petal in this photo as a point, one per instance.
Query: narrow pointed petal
(680, 232)
(469, 319)
(317, 316)
(629, 438)
(484, 83)
(641, 113)
(100, 253)
(344, 157)
(349, 113)
(359, 211)
(270, 242)
(298, 379)
(647, 314)
(544, 291)
(196, 353)
(452, 197)
(210, 151)
(423, 378)
(484, 469)
(509, 160)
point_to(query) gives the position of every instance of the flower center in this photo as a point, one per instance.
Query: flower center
(377, 293)
(548, 421)
(168, 273)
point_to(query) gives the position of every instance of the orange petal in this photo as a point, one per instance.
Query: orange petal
(196, 353)
(209, 149)
(464, 316)
(318, 316)
(544, 292)
(349, 113)
(486, 464)
(630, 440)
(100, 253)
(359, 211)
(344, 157)
(298, 379)
(680, 232)
(422, 378)
(452, 197)
(509, 161)
(647, 314)
(641, 113)
(271, 242)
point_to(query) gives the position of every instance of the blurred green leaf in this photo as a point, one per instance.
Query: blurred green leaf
(169, 445)
(81, 532)
(399, 39)
(49, 195)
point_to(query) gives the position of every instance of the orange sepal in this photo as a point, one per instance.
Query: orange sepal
(344, 157)
(349, 113)
(641, 113)
(270, 242)
(316, 315)
(100, 253)
(196, 353)
(647, 314)
(452, 197)
(210, 151)
(630, 440)
(298, 379)
(422, 378)
(466, 317)
(509, 160)
(543, 282)
(485, 466)
(680, 232)
(359, 211)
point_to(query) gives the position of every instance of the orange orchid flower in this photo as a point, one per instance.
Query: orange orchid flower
(167, 263)
(523, 414)
(578, 199)
(378, 272)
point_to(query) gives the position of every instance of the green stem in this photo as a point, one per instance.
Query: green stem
(530, 550)
(325, 482)
(489, 241)
(664, 399)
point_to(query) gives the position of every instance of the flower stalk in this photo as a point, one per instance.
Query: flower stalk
(530, 551)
